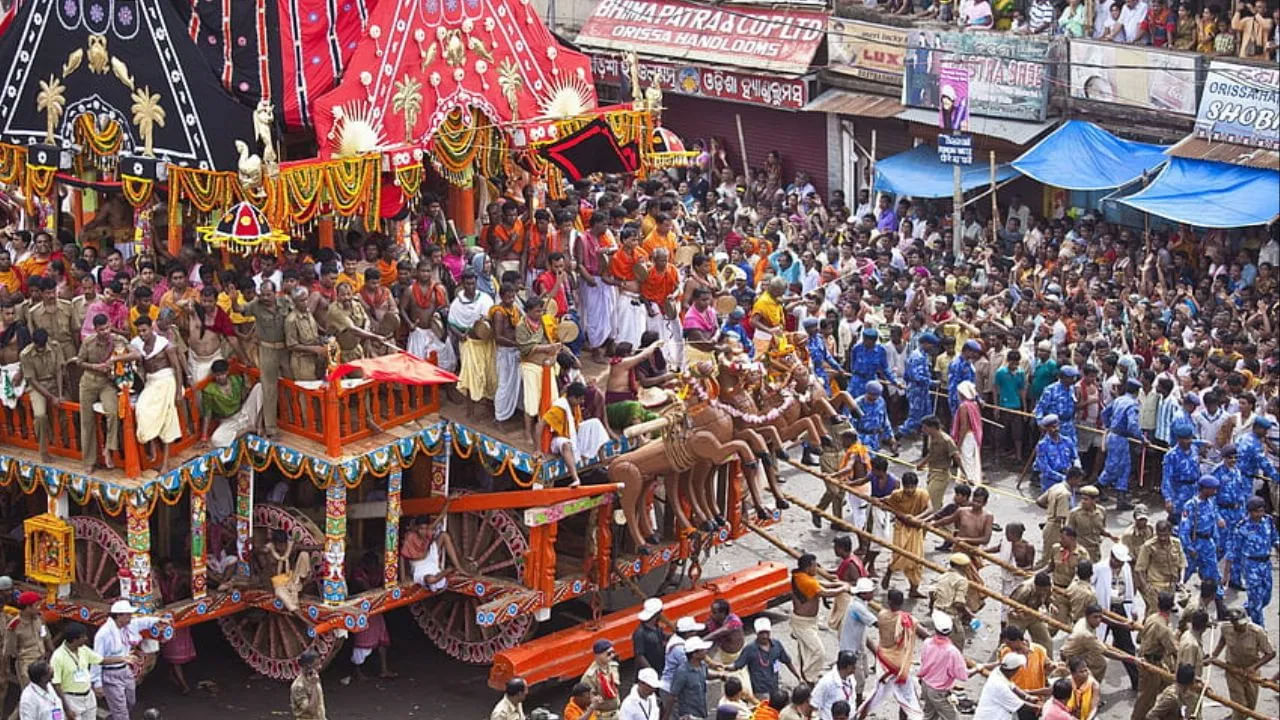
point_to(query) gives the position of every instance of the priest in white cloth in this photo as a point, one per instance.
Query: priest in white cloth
(478, 379)
(571, 437)
(505, 317)
(157, 405)
(1113, 584)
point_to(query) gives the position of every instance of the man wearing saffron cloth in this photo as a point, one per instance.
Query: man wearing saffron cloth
(899, 634)
(599, 297)
(659, 290)
(627, 269)
(806, 591)
(572, 438)
(418, 306)
(536, 353)
(768, 316)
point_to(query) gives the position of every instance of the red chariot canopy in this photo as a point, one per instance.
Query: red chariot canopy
(419, 60)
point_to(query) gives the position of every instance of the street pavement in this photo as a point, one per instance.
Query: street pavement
(433, 686)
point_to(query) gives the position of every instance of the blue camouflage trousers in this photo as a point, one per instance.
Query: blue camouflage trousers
(1202, 560)
(1232, 518)
(1115, 473)
(919, 406)
(1257, 581)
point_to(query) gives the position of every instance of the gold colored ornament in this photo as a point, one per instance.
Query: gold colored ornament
(51, 100)
(477, 46)
(147, 114)
(408, 102)
(99, 58)
(73, 62)
(455, 51)
(429, 55)
(510, 82)
(121, 71)
(50, 550)
(263, 118)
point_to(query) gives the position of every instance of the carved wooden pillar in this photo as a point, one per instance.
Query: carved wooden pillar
(391, 553)
(244, 521)
(138, 540)
(334, 587)
(199, 542)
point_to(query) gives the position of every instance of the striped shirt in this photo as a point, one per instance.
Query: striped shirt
(1166, 413)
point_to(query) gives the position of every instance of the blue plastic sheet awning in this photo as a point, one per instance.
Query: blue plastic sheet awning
(1082, 156)
(918, 173)
(1210, 194)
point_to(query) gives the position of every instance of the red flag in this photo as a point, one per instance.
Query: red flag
(400, 367)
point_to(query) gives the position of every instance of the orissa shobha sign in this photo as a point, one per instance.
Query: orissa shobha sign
(781, 41)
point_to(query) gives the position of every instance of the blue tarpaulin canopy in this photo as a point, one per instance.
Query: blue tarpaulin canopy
(1210, 194)
(1082, 156)
(918, 173)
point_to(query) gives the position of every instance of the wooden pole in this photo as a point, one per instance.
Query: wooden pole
(1013, 604)
(957, 209)
(742, 147)
(995, 206)
(875, 200)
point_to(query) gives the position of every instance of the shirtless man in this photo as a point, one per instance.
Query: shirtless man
(281, 572)
(14, 336)
(425, 298)
(348, 321)
(383, 313)
(1014, 549)
(973, 522)
(807, 592)
(207, 326)
(324, 292)
(157, 416)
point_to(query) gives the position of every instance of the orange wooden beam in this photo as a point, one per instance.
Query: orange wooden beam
(566, 654)
(513, 500)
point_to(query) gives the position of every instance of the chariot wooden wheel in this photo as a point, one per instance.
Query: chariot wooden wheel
(101, 551)
(271, 642)
(494, 544)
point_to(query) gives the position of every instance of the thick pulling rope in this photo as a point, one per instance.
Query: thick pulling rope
(995, 595)
(1111, 617)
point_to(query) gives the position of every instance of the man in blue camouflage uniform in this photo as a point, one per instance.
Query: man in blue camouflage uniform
(1233, 491)
(868, 361)
(1198, 531)
(1179, 473)
(960, 370)
(1190, 401)
(1120, 419)
(823, 363)
(873, 424)
(1252, 541)
(1055, 453)
(918, 375)
(1060, 399)
(1252, 458)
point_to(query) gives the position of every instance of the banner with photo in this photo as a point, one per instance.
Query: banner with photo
(866, 50)
(1009, 75)
(1149, 78)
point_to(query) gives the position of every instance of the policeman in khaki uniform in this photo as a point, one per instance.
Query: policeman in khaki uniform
(27, 639)
(1137, 534)
(949, 596)
(53, 315)
(1057, 503)
(1089, 522)
(1063, 559)
(1248, 649)
(269, 313)
(1180, 701)
(308, 355)
(96, 385)
(1156, 645)
(602, 677)
(41, 363)
(1069, 605)
(1160, 564)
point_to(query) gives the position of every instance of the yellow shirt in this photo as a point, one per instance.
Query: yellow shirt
(224, 302)
(153, 312)
(71, 670)
(769, 309)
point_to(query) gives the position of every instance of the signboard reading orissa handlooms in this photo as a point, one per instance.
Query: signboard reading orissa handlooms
(777, 40)
(1241, 105)
(1009, 75)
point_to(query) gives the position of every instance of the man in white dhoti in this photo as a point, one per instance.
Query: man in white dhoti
(423, 551)
(477, 379)
(228, 400)
(598, 297)
(505, 317)
(13, 338)
(157, 406)
(627, 270)
(966, 430)
(572, 438)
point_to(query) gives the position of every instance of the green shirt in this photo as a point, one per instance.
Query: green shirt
(223, 402)
(71, 672)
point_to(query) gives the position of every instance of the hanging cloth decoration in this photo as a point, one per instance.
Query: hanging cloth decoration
(453, 147)
(244, 230)
(103, 145)
(137, 190)
(13, 160)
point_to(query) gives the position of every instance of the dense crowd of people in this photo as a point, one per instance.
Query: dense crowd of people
(1106, 361)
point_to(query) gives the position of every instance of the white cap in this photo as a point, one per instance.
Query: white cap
(942, 622)
(1013, 661)
(763, 625)
(694, 644)
(122, 607)
(649, 677)
(864, 585)
(651, 608)
(1121, 553)
(688, 624)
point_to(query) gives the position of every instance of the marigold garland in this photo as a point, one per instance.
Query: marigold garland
(137, 190)
(39, 183)
(13, 160)
(409, 178)
(454, 146)
(102, 143)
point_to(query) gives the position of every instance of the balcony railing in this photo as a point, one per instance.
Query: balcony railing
(330, 414)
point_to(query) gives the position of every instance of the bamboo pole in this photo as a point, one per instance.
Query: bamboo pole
(995, 206)
(1001, 598)
(1111, 617)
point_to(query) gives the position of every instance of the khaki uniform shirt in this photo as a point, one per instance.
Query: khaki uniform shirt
(1133, 538)
(25, 640)
(1161, 565)
(307, 699)
(1070, 606)
(56, 320)
(608, 707)
(1156, 642)
(1062, 566)
(1026, 593)
(42, 364)
(940, 453)
(1171, 701)
(268, 322)
(950, 591)
(1088, 526)
(300, 328)
(339, 321)
(1190, 650)
(1058, 502)
(1244, 646)
(1083, 642)
(507, 710)
(79, 308)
